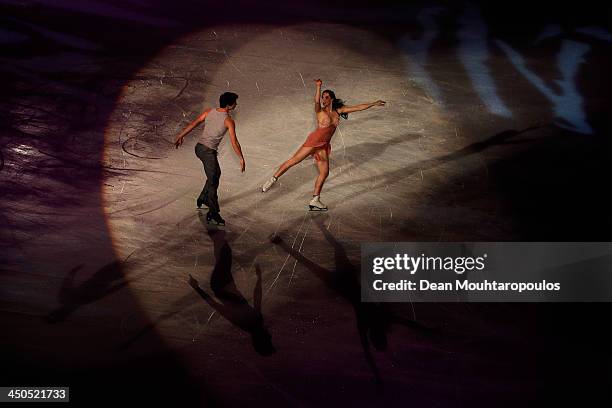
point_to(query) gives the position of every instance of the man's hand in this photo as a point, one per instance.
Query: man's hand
(318, 82)
(178, 142)
(242, 165)
(379, 103)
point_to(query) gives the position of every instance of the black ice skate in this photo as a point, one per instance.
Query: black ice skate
(214, 218)
(200, 203)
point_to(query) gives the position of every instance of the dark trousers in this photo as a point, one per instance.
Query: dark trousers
(213, 173)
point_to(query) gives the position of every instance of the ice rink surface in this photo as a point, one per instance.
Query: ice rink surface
(112, 280)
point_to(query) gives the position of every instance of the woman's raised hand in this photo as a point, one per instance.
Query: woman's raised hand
(318, 82)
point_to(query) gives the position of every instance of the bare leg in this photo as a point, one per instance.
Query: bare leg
(323, 166)
(300, 155)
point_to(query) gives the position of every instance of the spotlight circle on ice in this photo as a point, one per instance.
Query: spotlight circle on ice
(151, 188)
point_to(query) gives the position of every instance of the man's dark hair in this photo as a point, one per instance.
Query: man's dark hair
(227, 99)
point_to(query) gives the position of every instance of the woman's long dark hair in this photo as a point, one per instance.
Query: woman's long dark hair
(336, 103)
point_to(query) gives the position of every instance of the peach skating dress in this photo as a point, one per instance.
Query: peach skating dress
(321, 137)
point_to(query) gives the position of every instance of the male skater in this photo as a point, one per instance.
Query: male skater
(218, 121)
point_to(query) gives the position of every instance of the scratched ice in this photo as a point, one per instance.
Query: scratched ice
(407, 172)
(273, 75)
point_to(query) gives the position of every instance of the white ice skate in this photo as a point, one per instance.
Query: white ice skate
(316, 205)
(268, 184)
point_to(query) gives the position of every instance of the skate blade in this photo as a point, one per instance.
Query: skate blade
(210, 221)
(314, 208)
(214, 227)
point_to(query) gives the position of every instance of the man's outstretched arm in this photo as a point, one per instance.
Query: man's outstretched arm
(189, 128)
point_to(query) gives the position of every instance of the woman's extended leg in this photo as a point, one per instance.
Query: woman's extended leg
(300, 155)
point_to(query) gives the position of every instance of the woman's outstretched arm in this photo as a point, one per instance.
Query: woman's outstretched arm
(360, 107)
(318, 95)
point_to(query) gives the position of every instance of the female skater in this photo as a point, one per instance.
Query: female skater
(328, 110)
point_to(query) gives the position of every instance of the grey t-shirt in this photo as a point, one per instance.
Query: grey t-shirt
(214, 129)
